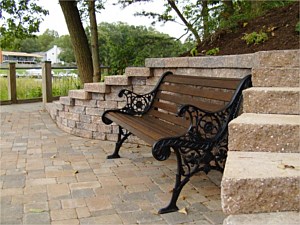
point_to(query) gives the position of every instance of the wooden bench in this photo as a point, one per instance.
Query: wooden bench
(189, 114)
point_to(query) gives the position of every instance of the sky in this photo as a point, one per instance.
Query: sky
(55, 20)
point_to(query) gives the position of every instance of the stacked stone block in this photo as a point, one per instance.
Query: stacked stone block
(262, 173)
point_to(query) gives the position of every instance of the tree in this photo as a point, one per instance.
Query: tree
(46, 39)
(67, 54)
(79, 40)
(20, 19)
(123, 45)
(94, 41)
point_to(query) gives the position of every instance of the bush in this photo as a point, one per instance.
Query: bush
(213, 51)
(255, 38)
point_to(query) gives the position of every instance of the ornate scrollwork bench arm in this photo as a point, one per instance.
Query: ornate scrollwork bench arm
(196, 150)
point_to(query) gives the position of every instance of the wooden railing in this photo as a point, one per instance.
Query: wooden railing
(46, 83)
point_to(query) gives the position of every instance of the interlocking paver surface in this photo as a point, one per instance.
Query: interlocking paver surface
(51, 177)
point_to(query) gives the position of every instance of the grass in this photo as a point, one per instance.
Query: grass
(28, 88)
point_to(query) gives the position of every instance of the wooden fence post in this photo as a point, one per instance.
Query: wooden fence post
(12, 83)
(47, 82)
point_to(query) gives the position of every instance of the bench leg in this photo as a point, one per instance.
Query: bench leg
(179, 184)
(122, 136)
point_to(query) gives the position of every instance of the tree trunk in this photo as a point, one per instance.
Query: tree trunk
(204, 15)
(79, 40)
(94, 41)
(228, 9)
(186, 23)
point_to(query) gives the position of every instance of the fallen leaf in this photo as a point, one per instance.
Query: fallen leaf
(53, 157)
(183, 211)
(75, 172)
(245, 24)
(285, 166)
(36, 210)
(183, 197)
(273, 34)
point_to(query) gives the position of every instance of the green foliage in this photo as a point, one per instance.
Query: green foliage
(298, 27)
(20, 19)
(194, 51)
(213, 51)
(64, 42)
(122, 45)
(255, 38)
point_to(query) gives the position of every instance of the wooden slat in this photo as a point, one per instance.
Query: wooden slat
(182, 100)
(178, 130)
(170, 118)
(165, 106)
(192, 91)
(147, 128)
(228, 83)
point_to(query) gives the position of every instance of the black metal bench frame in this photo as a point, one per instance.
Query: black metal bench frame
(203, 147)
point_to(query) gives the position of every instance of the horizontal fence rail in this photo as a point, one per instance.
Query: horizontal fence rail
(45, 74)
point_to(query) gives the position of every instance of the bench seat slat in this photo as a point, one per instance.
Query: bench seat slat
(172, 119)
(228, 83)
(144, 127)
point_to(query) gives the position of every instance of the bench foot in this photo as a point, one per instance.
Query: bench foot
(122, 136)
(168, 209)
(113, 156)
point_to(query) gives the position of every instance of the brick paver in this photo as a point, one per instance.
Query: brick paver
(51, 177)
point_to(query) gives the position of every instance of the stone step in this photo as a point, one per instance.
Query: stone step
(278, 100)
(257, 182)
(137, 72)
(97, 88)
(278, 218)
(66, 100)
(80, 94)
(264, 132)
(117, 80)
(275, 77)
(278, 58)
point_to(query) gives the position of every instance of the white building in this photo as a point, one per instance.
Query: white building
(52, 55)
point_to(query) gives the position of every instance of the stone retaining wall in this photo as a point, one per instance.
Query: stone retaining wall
(80, 112)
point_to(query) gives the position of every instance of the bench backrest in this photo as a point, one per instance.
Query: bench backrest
(207, 93)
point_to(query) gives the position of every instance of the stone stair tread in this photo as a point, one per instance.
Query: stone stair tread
(117, 80)
(265, 132)
(79, 94)
(99, 87)
(260, 182)
(261, 165)
(274, 100)
(137, 72)
(263, 119)
(278, 218)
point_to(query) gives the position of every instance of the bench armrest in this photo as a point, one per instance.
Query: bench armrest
(136, 104)
(205, 125)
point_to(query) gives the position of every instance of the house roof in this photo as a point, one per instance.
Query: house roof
(20, 54)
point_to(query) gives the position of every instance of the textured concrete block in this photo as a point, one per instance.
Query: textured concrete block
(137, 72)
(276, 77)
(96, 87)
(279, 218)
(265, 132)
(117, 80)
(277, 100)
(260, 182)
(65, 100)
(80, 94)
(278, 58)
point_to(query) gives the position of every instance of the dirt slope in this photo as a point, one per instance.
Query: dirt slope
(279, 24)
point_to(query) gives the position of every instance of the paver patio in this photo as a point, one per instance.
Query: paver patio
(51, 177)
